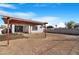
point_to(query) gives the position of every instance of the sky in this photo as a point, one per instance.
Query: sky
(53, 13)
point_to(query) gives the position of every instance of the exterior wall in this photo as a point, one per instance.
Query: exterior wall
(64, 31)
(28, 28)
(40, 30)
(25, 28)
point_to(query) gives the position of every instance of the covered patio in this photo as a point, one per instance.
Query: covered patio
(12, 20)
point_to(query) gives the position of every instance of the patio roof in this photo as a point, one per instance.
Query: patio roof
(13, 20)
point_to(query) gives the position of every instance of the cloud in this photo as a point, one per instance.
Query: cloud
(52, 5)
(25, 15)
(7, 6)
(40, 5)
(50, 19)
(5, 13)
(61, 24)
(18, 14)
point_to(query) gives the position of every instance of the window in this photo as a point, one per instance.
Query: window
(34, 28)
(18, 28)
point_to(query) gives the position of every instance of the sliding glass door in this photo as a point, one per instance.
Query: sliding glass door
(18, 28)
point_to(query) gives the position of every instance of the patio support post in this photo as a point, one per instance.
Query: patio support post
(8, 31)
(45, 30)
(30, 29)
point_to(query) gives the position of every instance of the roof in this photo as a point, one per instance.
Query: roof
(13, 20)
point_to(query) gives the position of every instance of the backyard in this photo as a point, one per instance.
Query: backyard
(37, 44)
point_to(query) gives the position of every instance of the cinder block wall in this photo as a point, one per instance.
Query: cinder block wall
(64, 31)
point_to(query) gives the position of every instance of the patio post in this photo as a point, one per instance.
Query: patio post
(30, 29)
(8, 31)
(45, 30)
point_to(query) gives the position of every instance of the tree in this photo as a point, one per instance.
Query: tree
(70, 24)
(3, 26)
(56, 26)
(50, 26)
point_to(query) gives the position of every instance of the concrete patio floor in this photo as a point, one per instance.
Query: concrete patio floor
(54, 44)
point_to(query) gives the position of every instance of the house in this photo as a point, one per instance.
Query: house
(76, 26)
(24, 25)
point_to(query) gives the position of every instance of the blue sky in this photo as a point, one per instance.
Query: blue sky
(53, 13)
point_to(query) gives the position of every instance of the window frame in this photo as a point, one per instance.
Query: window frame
(34, 28)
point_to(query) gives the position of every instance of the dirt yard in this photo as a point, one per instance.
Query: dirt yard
(37, 44)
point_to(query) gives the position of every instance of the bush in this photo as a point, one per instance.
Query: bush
(4, 31)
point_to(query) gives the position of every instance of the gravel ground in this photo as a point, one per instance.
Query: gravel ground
(37, 44)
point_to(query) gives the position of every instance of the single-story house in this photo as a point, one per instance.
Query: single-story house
(24, 25)
(77, 26)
